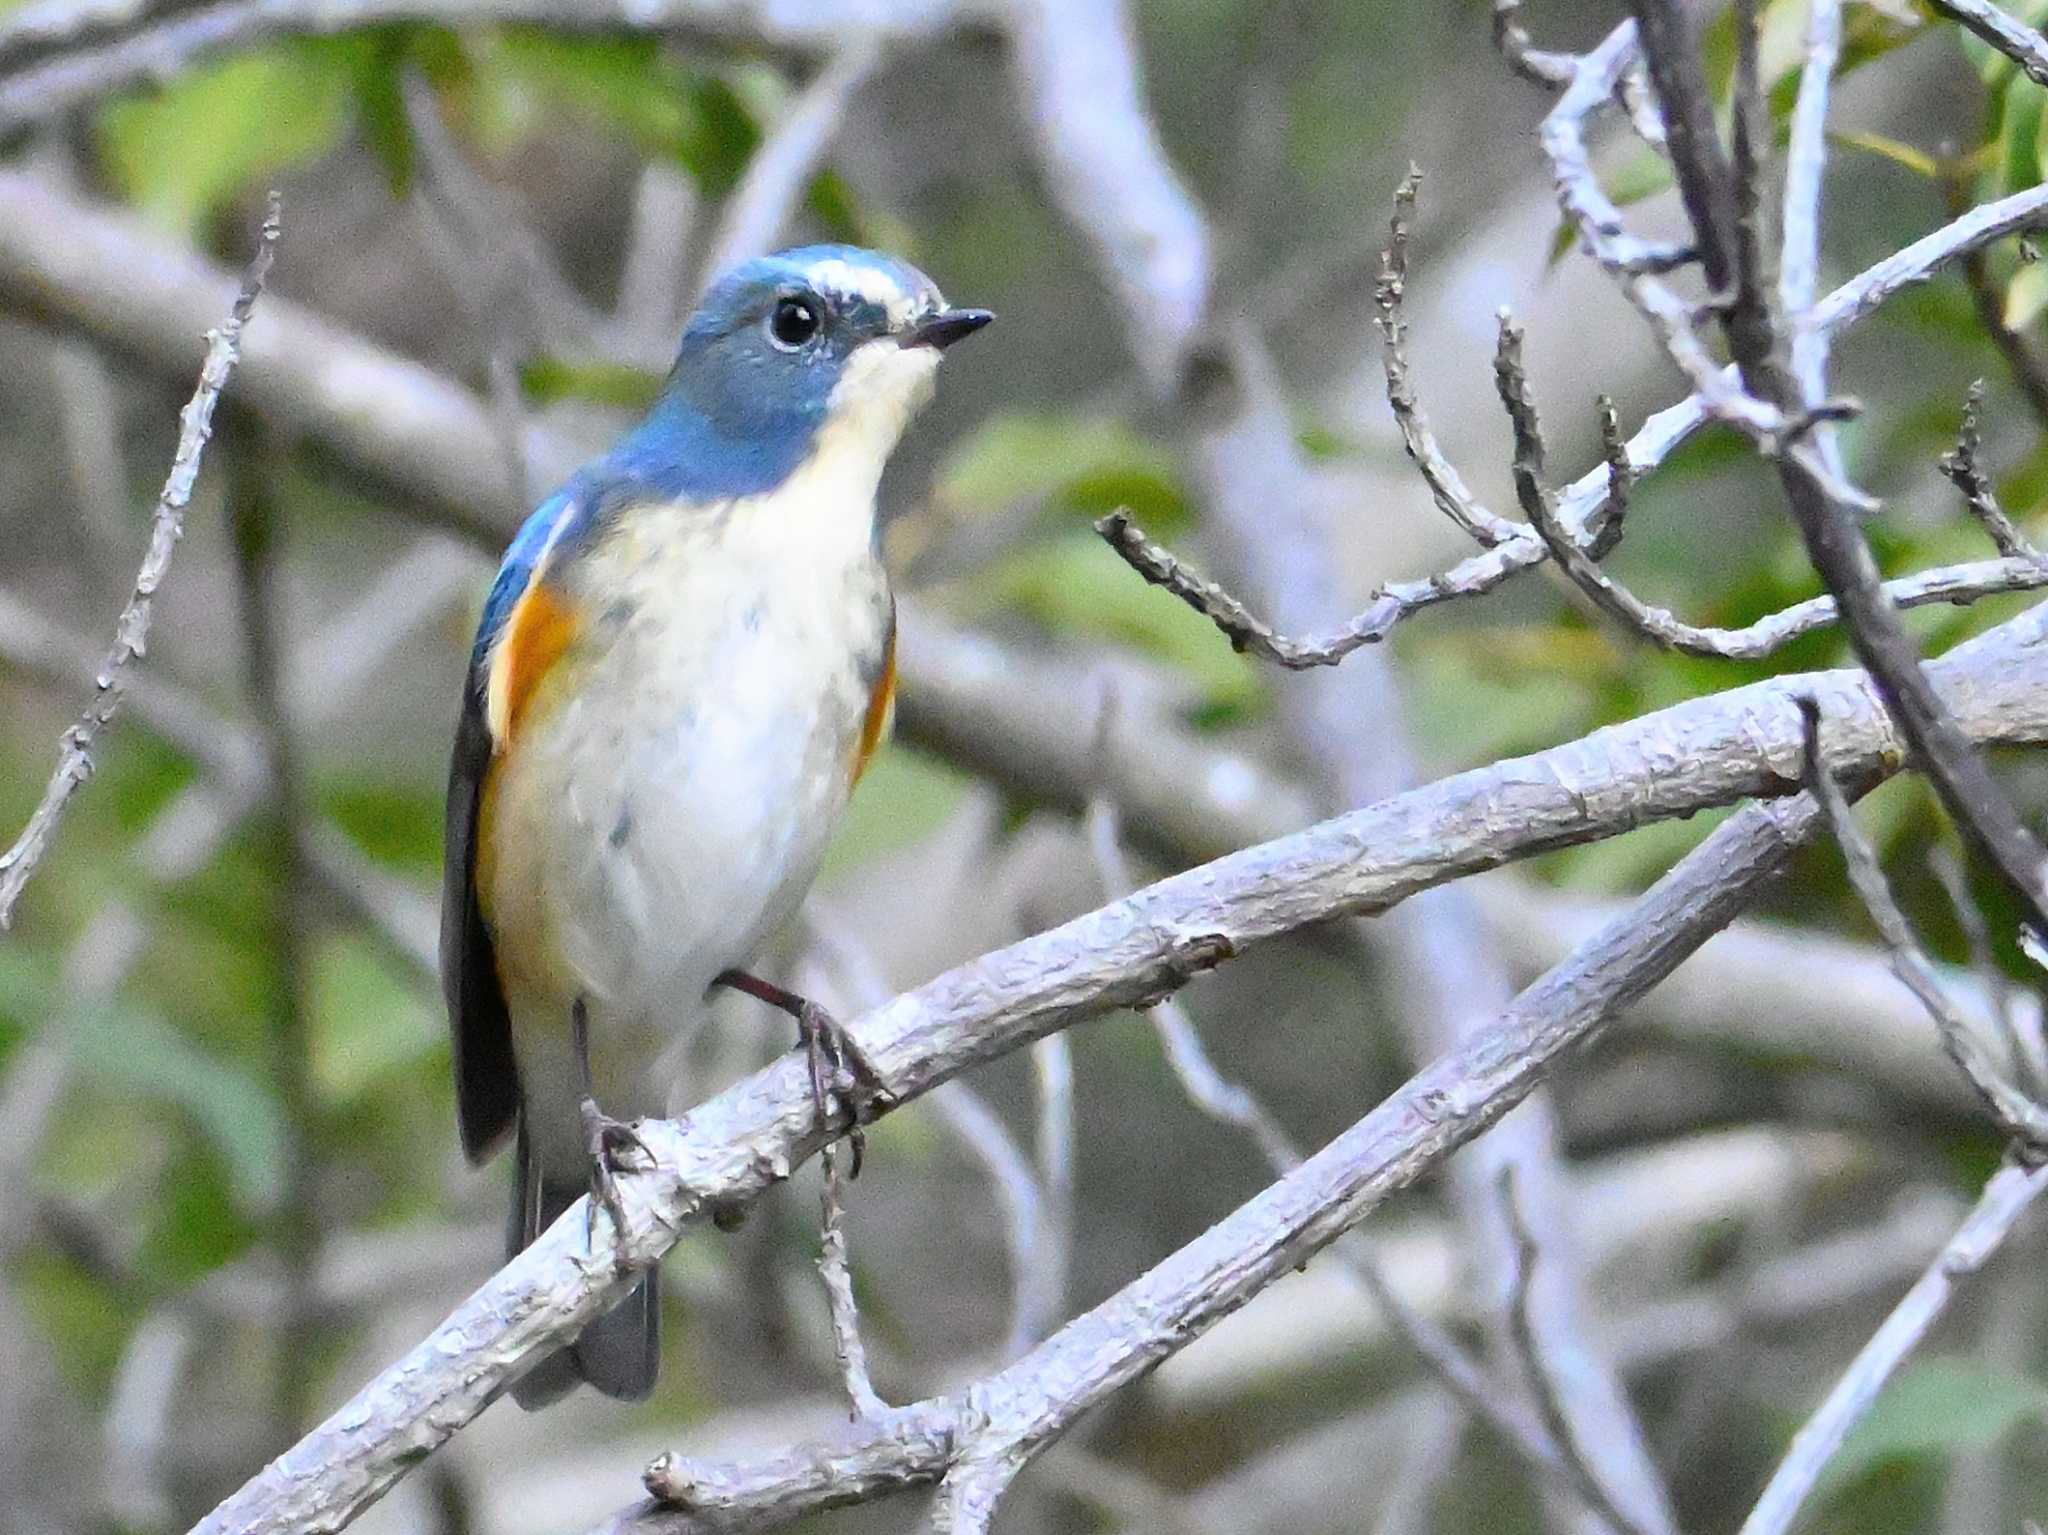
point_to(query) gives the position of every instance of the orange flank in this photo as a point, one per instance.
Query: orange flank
(539, 629)
(880, 702)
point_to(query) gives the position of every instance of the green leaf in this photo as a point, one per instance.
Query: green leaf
(137, 1052)
(367, 1020)
(2026, 295)
(380, 104)
(546, 380)
(526, 77)
(1918, 161)
(2020, 141)
(903, 796)
(181, 152)
(1935, 1407)
(1073, 584)
(1083, 464)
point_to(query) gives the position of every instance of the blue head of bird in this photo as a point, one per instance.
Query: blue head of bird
(819, 354)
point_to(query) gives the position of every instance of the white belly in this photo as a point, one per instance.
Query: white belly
(670, 806)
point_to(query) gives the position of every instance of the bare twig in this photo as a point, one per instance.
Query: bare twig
(1162, 568)
(980, 1132)
(2017, 1114)
(2011, 37)
(1445, 485)
(1721, 200)
(1530, 62)
(837, 1273)
(74, 762)
(1967, 473)
(2008, 1195)
(1543, 1385)
(1588, 502)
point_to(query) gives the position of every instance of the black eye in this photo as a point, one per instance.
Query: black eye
(794, 322)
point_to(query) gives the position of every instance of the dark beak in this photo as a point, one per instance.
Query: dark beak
(946, 327)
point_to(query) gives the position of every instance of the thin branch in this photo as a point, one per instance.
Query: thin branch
(84, 65)
(1052, 1072)
(1445, 485)
(2025, 1055)
(1587, 503)
(1826, 511)
(2006, 1197)
(74, 762)
(2014, 1112)
(2011, 37)
(980, 1132)
(1967, 474)
(1543, 1384)
(2028, 371)
(837, 1274)
(1162, 568)
(1805, 167)
(1533, 64)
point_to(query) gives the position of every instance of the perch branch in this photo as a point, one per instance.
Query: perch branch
(1002, 1421)
(1740, 742)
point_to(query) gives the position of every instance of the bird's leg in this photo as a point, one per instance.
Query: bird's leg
(826, 1045)
(605, 1139)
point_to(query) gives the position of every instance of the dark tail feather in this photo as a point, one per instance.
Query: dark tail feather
(620, 1352)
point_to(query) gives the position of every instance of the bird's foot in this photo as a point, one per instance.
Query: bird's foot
(837, 1064)
(607, 1142)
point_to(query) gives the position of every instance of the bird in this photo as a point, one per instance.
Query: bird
(685, 664)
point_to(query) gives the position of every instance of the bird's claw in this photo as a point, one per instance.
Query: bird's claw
(606, 1141)
(838, 1065)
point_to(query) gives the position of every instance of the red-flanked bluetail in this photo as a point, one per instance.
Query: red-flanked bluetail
(683, 668)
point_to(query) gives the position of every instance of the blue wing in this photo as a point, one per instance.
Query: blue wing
(486, 1074)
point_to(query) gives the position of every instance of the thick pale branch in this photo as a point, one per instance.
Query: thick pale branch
(1016, 1412)
(1708, 751)
(73, 62)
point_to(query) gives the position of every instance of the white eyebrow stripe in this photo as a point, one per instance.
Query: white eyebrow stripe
(871, 284)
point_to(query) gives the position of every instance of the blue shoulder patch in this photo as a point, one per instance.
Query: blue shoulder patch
(515, 572)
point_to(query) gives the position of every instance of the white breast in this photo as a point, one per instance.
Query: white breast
(671, 804)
